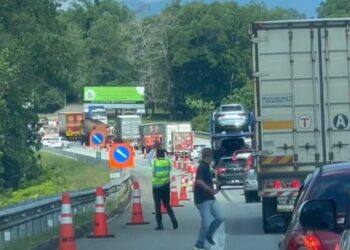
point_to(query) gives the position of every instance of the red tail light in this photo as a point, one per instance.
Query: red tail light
(249, 162)
(296, 184)
(300, 241)
(221, 170)
(277, 184)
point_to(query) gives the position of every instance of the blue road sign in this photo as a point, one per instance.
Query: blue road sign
(121, 154)
(97, 138)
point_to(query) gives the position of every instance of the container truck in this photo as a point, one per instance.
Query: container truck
(161, 133)
(127, 127)
(69, 124)
(302, 104)
(88, 126)
(96, 113)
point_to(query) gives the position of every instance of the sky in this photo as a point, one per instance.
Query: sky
(307, 7)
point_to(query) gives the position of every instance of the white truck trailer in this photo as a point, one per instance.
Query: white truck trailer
(302, 105)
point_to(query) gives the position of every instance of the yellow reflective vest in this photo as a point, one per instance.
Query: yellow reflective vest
(161, 172)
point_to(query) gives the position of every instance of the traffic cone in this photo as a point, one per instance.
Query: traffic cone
(100, 223)
(67, 230)
(183, 192)
(137, 215)
(174, 198)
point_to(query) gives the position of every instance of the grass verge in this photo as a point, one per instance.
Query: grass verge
(60, 175)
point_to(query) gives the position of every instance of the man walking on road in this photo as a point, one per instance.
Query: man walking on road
(161, 188)
(205, 201)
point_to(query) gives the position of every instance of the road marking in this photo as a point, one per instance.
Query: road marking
(121, 153)
(97, 139)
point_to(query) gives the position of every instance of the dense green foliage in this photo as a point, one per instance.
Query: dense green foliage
(59, 175)
(191, 57)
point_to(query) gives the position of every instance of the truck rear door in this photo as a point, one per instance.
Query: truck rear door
(302, 92)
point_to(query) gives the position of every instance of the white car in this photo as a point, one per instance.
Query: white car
(196, 151)
(55, 142)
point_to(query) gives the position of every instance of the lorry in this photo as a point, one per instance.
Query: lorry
(89, 126)
(127, 127)
(302, 106)
(182, 143)
(153, 133)
(69, 124)
(96, 113)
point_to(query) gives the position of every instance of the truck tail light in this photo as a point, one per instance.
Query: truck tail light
(298, 240)
(277, 184)
(221, 170)
(295, 183)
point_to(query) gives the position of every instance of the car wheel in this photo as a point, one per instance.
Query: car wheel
(268, 209)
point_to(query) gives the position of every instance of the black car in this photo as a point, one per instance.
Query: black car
(228, 173)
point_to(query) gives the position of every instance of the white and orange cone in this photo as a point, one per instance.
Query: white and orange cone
(137, 215)
(67, 230)
(174, 197)
(183, 191)
(100, 223)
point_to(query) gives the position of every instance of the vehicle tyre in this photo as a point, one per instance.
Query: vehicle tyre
(268, 209)
(248, 197)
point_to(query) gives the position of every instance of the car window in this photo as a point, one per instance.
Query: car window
(230, 108)
(228, 163)
(336, 187)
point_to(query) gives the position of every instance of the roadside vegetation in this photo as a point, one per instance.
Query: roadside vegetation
(59, 175)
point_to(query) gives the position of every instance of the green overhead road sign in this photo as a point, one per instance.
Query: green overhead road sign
(114, 94)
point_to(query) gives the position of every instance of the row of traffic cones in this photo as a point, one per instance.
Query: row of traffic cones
(67, 229)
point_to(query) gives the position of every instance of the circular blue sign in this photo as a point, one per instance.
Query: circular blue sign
(97, 138)
(121, 154)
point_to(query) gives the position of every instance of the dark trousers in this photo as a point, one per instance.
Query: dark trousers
(162, 194)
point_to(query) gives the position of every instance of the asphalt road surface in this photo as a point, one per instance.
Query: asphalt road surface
(242, 229)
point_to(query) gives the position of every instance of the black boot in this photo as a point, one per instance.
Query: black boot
(159, 227)
(175, 224)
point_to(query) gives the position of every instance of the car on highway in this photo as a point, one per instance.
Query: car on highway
(245, 159)
(228, 172)
(197, 148)
(55, 142)
(231, 117)
(311, 224)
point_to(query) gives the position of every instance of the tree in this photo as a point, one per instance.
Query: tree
(334, 8)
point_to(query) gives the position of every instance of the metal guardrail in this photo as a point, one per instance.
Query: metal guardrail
(28, 219)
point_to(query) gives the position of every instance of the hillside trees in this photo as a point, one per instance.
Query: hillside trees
(334, 8)
(33, 60)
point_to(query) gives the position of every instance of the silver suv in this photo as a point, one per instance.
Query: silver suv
(231, 117)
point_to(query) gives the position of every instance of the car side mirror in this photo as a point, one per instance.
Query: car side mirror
(318, 214)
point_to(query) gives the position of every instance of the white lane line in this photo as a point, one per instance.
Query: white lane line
(121, 153)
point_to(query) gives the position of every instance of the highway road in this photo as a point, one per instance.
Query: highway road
(242, 229)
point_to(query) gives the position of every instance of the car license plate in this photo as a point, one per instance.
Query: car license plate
(285, 204)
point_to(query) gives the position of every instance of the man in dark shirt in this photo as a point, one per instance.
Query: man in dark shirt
(205, 201)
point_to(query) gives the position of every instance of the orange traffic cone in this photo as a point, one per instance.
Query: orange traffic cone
(183, 192)
(174, 199)
(67, 230)
(137, 215)
(100, 223)
(162, 208)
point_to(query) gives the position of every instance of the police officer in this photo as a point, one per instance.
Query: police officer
(161, 187)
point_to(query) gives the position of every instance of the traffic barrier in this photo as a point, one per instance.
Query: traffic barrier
(183, 192)
(137, 215)
(67, 230)
(100, 223)
(174, 197)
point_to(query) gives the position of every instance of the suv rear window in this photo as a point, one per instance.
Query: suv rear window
(228, 163)
(336, 187)
(230, 108)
